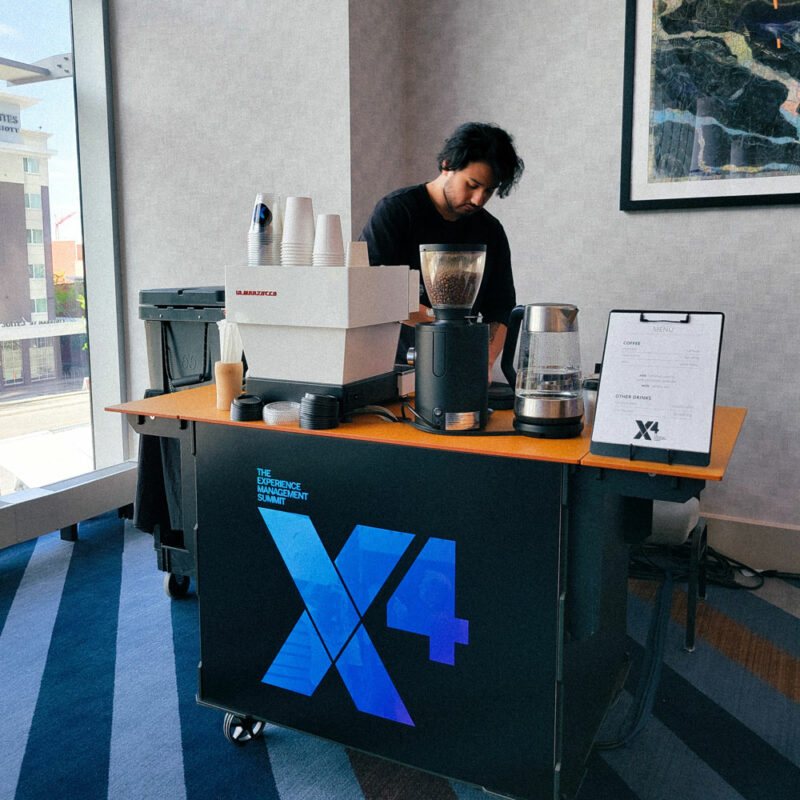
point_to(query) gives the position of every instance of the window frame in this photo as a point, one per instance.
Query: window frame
(97, 174)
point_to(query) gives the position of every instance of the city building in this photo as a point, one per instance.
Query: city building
(42, 333)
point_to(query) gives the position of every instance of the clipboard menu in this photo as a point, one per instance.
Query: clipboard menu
(658, 386)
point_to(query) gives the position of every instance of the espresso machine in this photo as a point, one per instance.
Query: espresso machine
(451, 355)
(548, 392)
(321, 330)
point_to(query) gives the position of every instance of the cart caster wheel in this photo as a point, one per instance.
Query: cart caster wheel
(240, 730)
(176, 586)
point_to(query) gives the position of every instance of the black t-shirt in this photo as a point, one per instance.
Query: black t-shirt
(407, 218)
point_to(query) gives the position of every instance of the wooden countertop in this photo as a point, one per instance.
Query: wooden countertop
(727, 424)
(497, 439)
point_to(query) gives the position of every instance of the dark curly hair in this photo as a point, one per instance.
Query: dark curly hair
(481, 141)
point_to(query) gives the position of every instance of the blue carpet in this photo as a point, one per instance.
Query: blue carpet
(98, 675)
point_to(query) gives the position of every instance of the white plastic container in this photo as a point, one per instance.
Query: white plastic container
(282, 412)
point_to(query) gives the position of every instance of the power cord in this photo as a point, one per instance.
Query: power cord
(670, 565)
(379, 411)
(786, 576)
(649, 562)
(650, 675)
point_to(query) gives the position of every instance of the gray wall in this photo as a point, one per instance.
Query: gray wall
(347, 101)
(216, 101)
(380, 71)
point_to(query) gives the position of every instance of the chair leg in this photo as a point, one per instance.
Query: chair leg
(701, 555)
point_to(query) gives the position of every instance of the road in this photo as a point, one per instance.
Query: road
(29, 460)
(47, 413)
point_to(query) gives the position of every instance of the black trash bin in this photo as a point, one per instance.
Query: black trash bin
(182, 334)
(182, 346)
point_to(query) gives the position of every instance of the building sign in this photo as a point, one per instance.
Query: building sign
(10, 123)
(25, 329)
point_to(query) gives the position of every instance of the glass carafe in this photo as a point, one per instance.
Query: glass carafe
(548, 392)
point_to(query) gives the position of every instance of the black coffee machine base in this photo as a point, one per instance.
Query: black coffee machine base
(557, 429)
(351, 396)
(422, 425)
(501, 396)
(451, 390)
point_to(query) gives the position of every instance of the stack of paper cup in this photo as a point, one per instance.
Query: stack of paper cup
(273, 249)
(328, 246)
(297, 243)
(357, 255)
(264, 236)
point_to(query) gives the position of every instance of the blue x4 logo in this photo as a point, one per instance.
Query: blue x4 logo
(336, 595)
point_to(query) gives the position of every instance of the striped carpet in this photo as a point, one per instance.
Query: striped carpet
(98, 672)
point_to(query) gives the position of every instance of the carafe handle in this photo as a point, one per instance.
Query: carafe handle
(510, 346)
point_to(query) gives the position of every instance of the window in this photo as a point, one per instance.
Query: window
(38, 288)
(43, 359)
(78, 207)
(11, 357)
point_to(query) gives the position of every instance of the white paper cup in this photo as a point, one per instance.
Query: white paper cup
(296, 255)
(298, 221)
(328, 246)
(357, 254)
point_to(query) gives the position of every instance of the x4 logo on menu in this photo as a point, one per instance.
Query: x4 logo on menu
(336, 595)
(645, 429)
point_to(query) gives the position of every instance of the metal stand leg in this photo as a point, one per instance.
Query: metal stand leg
(70, 533)
(697, 581)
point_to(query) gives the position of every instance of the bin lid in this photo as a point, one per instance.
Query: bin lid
(194, 297)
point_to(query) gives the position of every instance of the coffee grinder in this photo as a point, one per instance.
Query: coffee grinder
(451, 356)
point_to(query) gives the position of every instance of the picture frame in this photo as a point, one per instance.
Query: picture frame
(711, 112)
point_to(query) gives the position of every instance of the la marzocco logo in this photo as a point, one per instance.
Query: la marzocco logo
(337, 594)
(256, 292)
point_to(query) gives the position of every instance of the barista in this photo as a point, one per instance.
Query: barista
(476, 161)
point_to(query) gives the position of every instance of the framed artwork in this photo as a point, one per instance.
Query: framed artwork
(711, 103)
